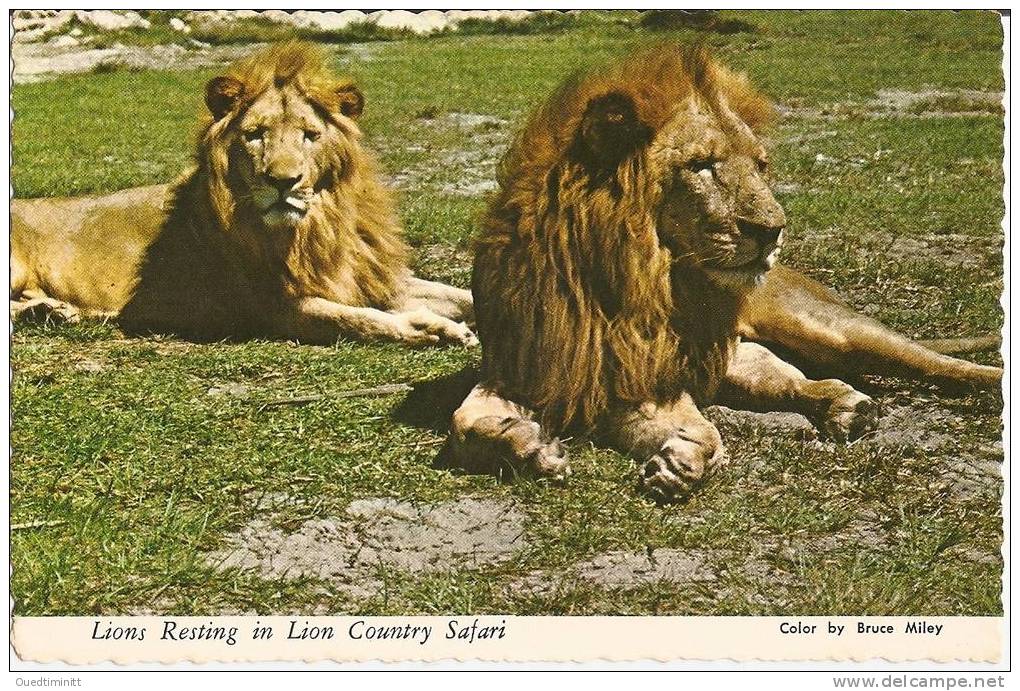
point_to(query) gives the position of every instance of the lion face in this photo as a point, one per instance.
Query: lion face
(278, 156)
(717, 213)
(284, 148)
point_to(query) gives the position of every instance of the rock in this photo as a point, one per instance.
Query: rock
(513, 15)
(352, 17)
(328, 21)
(417, 22)
(64, 41)
(31, 26)
(41, 19)
(178, 24)
(108, 20)
(278, 16)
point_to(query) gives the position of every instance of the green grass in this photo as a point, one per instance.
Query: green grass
(118, 442)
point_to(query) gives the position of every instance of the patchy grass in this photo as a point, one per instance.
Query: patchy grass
(536, 23)
(956, 103)
(699, 20)
(143, 455)
(113, 65)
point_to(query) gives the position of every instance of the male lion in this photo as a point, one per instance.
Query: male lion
(629, 249)
(281, 230)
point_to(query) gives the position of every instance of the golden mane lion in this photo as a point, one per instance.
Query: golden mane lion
(282, 229)
(630, 246)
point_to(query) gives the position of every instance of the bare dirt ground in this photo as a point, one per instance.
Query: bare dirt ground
(35, 62)
(347, 551)
(926, 103)
(467, 168)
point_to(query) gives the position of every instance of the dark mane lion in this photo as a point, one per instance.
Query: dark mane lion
(576, 302)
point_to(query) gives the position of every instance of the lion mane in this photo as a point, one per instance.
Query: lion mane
(578, 303)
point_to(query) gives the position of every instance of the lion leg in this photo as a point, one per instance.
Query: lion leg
(676, 447)
(36, 306)
(321, 321)
(489, 432)
(28, 303)
(805, 317)
(445, 300)
(959, 346)
(758, 380)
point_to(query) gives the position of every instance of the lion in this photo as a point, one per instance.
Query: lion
(626, 270)
(282, 229)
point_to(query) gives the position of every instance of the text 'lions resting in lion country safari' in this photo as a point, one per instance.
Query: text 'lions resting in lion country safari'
(625, 265)
(282, 229)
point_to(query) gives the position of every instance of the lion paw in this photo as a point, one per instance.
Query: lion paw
(533, 452)
(679, 467)
(496, 444)
(45, 310)
(422, 328)
(849, 417)
(550, 460)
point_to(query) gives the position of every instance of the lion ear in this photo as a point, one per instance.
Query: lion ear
(611, 129)
(222, 94)
(351, 100)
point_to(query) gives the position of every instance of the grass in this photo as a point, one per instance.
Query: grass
(120, 444)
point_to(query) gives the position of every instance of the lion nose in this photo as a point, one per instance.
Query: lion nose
(763, 234)
(282, 184)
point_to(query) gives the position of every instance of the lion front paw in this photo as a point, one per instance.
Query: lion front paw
(680, 466)
(849, 417)
(422, 328)
(496, 444)
(531, 451)
(45, 310)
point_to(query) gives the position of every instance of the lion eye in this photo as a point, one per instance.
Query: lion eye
(253, 135)
(312, 135)
(699, 164)
(763, 166)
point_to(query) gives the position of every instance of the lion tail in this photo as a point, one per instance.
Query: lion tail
(961, 346)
